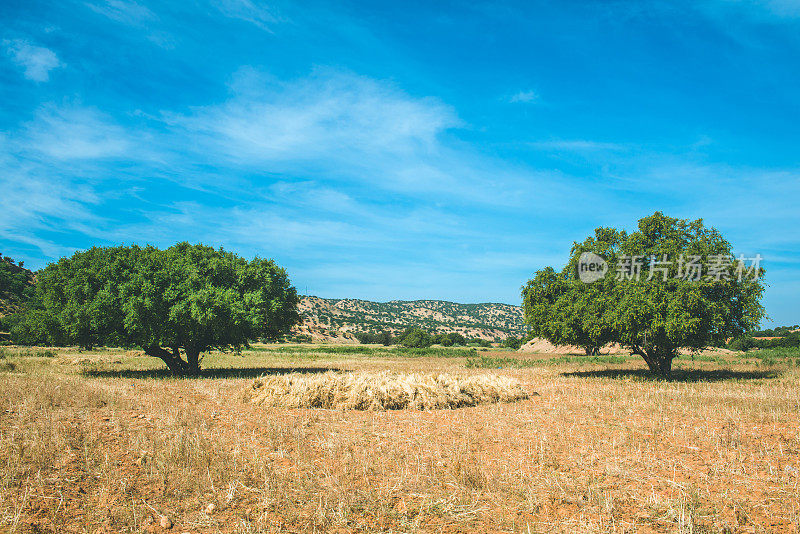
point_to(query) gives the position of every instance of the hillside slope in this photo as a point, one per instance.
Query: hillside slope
(337, 319)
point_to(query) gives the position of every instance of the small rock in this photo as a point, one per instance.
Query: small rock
(210, 508)
(165, 522)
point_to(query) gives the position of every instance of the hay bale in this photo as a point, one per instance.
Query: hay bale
(382, 391)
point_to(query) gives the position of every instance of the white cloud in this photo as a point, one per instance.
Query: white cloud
(524, 97)
(135, 15)
(75, 133)
(320, 115)
(338, 126)
(124, 11)
(249, 11)
(37, 202)
(36, 60)
(576, 145)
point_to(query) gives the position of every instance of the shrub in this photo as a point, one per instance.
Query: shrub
(416, 338)
(381, 338)
(742, 343)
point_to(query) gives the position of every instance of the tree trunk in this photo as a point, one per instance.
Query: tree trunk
(658, 360)
(193, 362)
(176, 365)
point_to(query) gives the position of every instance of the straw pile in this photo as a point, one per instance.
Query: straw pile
(382, 391)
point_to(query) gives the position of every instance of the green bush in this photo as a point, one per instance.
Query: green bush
(416, 338)
(380, 338)
(742, 343)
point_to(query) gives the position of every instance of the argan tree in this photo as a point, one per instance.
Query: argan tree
(650, 301)
(175, 304)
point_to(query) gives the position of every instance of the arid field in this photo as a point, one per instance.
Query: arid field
(106, 441)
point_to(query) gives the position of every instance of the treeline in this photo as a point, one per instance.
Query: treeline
(789, 340)
(778, 331)
(15, 281)
(419, 338)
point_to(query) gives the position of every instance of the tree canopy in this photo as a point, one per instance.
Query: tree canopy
(15, 281)
(657, 301)
(175, 304)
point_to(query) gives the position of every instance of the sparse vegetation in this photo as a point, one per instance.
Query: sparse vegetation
(114, 442)
(436, 317)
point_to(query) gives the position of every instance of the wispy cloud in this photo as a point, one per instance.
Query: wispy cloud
(576, 145)
(524, 97)
(76, 133)
(343, 128)
(262, 16)
(323, 115)
(135, 15)
(37, 61)
(124, 11)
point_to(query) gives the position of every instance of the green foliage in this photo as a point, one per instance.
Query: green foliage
(512, 342)
(479, 342)
(15, 280)
(777, 331)
(654, 317)
(747, 342)
(26, 353)
(450, 339)
(457, 338)
(443, 340)
(380, 338)
(415, 338)
(297, 338)
(488, 362)
(188, 297)
(36, 326)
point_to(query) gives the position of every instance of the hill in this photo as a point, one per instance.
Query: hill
(337, 319)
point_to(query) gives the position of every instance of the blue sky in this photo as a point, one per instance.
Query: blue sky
(399, 150)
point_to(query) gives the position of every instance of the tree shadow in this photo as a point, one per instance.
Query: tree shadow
(228, 372)
(678, 375)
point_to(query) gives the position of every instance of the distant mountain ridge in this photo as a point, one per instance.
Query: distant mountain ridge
(337, 319)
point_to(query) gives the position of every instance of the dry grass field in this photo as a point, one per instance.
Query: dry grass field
(106, 442)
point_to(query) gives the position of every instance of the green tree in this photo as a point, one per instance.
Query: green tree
(175, 303)
(15, 281)
(443, 340)
(653, 316)
(457, 338)
(415, 338)
(512, 342)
